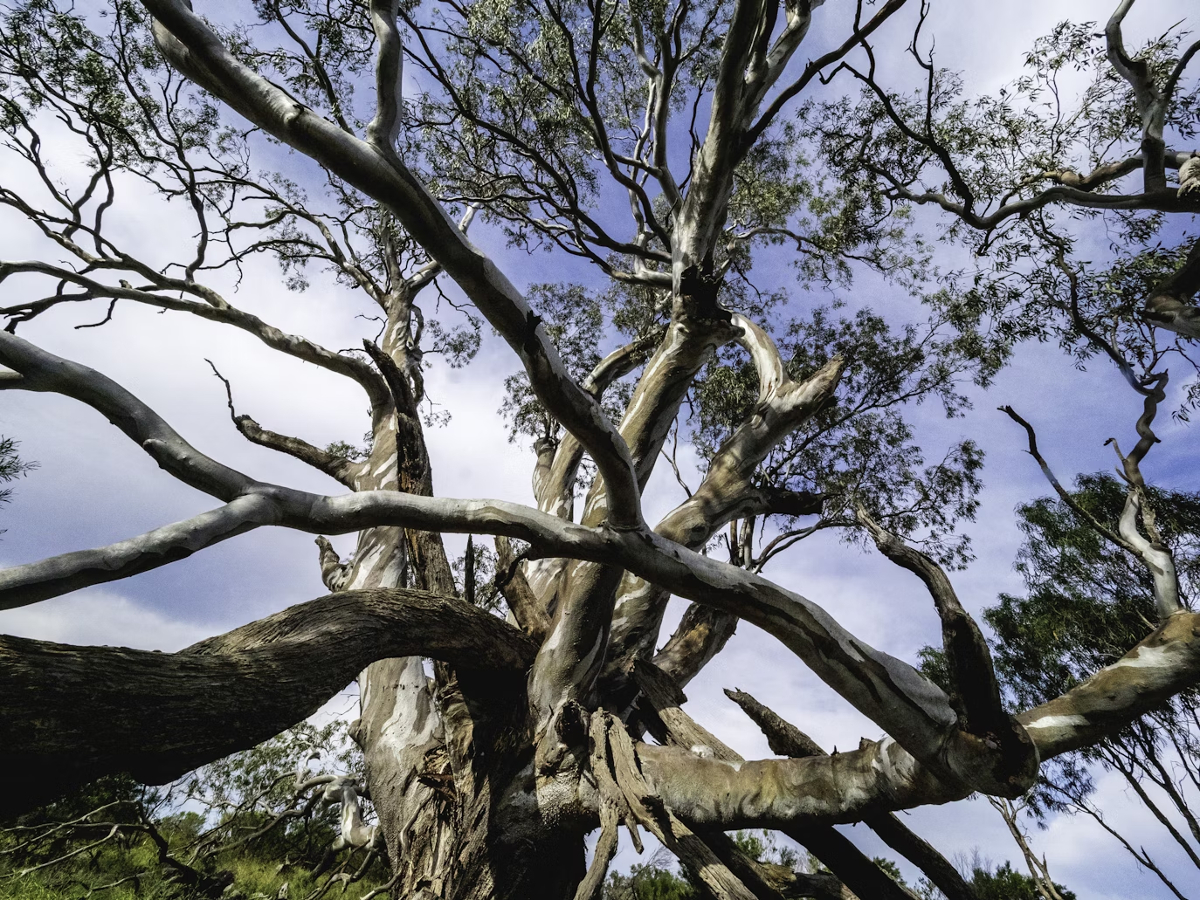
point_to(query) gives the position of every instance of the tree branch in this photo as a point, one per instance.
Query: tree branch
(57, 575)
(1150, 103)
(727, 490)
(43, 371)
(526, 607)
(193, 48)
(676, 727)
(786, 739)
(968, 658)
(384, 129)
(890, 692)
(214, 309)
(1159, 667)
(73, 713)
(338, 468)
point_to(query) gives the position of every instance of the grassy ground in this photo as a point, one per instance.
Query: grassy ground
(134, 874)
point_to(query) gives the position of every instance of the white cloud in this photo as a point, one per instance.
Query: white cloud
(100, 618)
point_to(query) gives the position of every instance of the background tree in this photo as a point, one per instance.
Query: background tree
(1083, 606)
(11, 467)
(551, 121)
(248, 825)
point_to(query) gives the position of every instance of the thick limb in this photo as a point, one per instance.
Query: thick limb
(786, 739)
(881, 777)
(74, 713)
(885, 689)
(1151, 104)
(672, 725)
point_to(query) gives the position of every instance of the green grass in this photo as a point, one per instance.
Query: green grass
(253, 878)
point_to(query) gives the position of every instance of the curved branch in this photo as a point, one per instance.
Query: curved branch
(1159, 667)
(786, 739)
(553, 492)
(836, 851)
(58, 575)
(43, 371)
(384, 128)
(214, 309)
(1062, 492)
(1151, 105)
(70, 714)
(881, 777)
(888, 691)
(1171, 304)
(967, 655)
(193, 48)
(339, 468)
(727, 490)
(703, 632)
(526, 607)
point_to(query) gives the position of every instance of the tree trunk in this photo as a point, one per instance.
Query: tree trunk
(449, 758)
(454, 787)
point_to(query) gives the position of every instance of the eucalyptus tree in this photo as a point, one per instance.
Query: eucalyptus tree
(551, 122)
(1084, 607)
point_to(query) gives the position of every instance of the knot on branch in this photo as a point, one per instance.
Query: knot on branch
(698, 290)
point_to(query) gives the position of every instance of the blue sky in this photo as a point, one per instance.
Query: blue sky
(94, 486)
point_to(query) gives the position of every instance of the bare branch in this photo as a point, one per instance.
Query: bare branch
(192, 47)
(212, 307)
(43, 371)
(701, 635)
(967, 655)
(1062, 492)
(1150, 103)
(338, 468)
(384, 129)
(1162, 665)
(334, 573)
(786, 739)
(58, 575)
(845, 860)
(526, 608)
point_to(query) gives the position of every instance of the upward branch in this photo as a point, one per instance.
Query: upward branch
(192, 47)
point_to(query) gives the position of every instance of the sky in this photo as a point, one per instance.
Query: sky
(93, 486)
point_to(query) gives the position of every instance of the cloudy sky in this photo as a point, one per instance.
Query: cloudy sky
(94, 486)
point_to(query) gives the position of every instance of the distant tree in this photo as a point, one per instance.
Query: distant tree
(251, 821)
(649, 881)
(11, 467)
(1005, 883)
(1084, 607)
